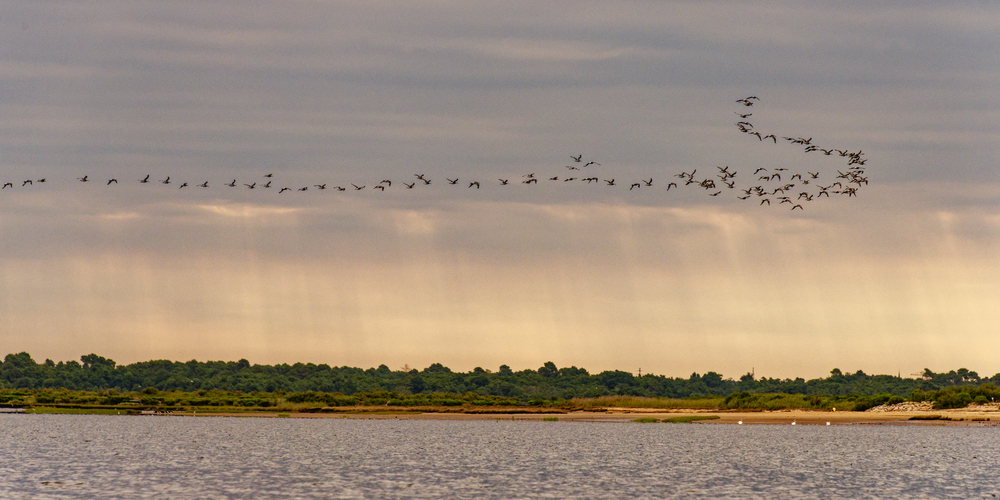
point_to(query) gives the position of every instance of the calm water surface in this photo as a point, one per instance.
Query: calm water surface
(91, 456)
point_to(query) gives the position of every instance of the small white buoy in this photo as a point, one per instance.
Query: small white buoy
(740, 422)
(793, 422)
(828, 423)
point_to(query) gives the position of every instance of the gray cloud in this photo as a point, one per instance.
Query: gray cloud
(341, 93)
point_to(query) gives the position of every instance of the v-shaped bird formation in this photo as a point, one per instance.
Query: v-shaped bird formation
(774, 187)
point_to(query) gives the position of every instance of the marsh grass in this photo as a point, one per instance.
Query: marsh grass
(646, 420)
(644, 402)
(688, 419)
(550, 419)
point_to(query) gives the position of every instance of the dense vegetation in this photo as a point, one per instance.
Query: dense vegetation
(438, 385)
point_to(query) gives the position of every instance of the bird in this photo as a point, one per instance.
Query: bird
(25, 183)
(474, 183)
(503, 182)
(203, 184)
(232, 184)
(268, 175)
(282, 190)
(109, 181)
(577, 158)
(452, 181)
(166, 181)
(386, 182)
(304, 188)
(649, 182)
(634, 185)
(82, 179)
(589, 163)
(183, 185)
(144, 179)
(267, 185)
(409, 186)
(251, 186)
(610, 182)
(357, 187)
(321, 186)
(7, 185)
(380, 187)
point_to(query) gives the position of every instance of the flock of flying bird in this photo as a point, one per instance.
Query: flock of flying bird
(775, 186)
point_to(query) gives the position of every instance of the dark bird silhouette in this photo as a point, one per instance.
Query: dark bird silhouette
(634, 185)
(321, 186)
(576, 158)
(144, 179)
(251, 186)
(357, 187)
(203, 184)
(380, 187)
(409, 186)
(589, 163)
(503, 182)
(474, 183)
(25, 183)
(183, 185)
(649, 182)
(610, 182)
(282, 190)
(8, 185)
(166, 181)
(232, 184)
(83, 179)
(109, 181)
(452, 181)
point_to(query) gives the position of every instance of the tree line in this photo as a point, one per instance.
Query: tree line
(548, 382)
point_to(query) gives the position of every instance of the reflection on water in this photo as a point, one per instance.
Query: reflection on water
(89, 456)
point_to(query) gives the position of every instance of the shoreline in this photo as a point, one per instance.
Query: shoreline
(962, 417)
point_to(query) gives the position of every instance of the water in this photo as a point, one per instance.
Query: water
(90, 456)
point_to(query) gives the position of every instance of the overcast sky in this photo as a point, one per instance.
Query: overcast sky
(901, 276)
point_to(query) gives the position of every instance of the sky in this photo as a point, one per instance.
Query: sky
(897, 276)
